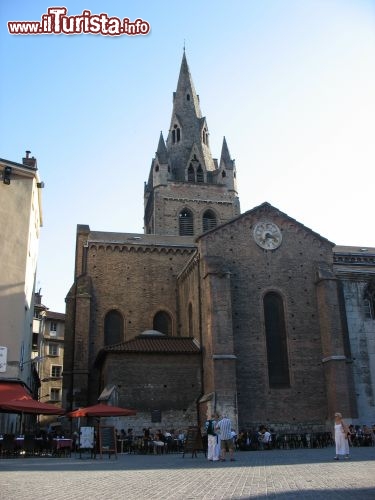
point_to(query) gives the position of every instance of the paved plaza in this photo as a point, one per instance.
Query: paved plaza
(278, 474)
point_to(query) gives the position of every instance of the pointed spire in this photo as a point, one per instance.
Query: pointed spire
(185, 95)
(161, 152)
(225, 158)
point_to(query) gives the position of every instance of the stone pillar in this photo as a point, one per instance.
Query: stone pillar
(336, 364)
(76, 355)
(219, 357)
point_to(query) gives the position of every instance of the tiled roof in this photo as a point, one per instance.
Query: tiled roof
(157, 344)
(55, 315)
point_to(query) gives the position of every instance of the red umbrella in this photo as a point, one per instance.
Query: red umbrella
(102, 410)
(31, 406)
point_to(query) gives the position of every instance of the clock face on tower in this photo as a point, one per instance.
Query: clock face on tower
(267, 235)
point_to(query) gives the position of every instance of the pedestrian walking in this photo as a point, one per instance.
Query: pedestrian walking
(213, 450)
(341, 437)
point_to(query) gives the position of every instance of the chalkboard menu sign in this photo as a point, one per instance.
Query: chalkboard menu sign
(193, 442)
(107, 441)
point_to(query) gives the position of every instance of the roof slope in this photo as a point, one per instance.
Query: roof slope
(264, 209)
(163, 344)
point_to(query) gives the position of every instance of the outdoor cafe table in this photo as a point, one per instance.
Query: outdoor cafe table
(58, 444)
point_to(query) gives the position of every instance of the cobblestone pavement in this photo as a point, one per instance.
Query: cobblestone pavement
(278, 474)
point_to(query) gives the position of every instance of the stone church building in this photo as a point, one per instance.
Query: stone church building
(251, 315)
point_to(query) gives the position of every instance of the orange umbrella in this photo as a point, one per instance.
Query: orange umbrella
(102, 410)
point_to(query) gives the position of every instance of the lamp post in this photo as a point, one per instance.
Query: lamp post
(35, 360)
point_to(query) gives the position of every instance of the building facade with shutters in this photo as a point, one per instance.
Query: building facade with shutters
(253, 315)
(21, 222)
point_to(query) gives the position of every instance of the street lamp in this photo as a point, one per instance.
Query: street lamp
(37, 359)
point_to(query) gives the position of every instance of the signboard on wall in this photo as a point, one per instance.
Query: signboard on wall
(86, 438)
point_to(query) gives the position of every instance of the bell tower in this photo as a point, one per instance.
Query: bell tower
(188, 192)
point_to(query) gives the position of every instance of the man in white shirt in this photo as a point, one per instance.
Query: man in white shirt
(224, 428)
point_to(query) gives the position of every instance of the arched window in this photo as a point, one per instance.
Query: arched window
(200, 175)
(113, 328)
(186, 223)
(277, 351)
(369, 300)
(205, 136)
(162, 323)
(209, 220)
(223, 174)
(176, 134)
(191, 329)
(191, 173)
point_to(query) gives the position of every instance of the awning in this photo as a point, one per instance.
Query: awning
(13, 390)
(32, 406)
(102, 410)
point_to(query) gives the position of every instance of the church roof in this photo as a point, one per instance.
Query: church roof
(156, 343)
(266, 208)
(139, 239)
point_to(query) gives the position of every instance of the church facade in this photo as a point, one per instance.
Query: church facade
(251, 315)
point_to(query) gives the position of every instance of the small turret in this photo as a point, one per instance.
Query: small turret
(227, 168)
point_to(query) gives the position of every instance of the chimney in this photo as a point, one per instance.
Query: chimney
(29, 162)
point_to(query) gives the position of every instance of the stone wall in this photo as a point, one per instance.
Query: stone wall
(362, 345)
(150, 381)
(291, 271)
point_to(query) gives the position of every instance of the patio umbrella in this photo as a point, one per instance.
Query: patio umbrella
(102, 410)
(31, 406)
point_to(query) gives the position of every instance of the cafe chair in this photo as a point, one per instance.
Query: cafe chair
(29, 447)
(8, 446)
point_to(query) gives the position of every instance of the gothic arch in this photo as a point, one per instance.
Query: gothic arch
(200, 174)
(186, 222)
(113, 327)
(276, 340)
(162, 322)
(209, 220)
(190, 173)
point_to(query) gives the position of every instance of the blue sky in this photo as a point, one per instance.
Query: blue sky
(289, 83)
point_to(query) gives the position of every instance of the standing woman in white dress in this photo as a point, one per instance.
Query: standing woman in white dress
(341, 437)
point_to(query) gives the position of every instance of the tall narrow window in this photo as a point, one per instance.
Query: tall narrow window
(55, 394)
(53, 350)
(191, 173)
(162, 323)
(176, 134)
(186, 223)
(369, 299)
(277, 351)
(200, 175)
(205, 136)
(191, 329)
(113, 328)
(209, 220)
